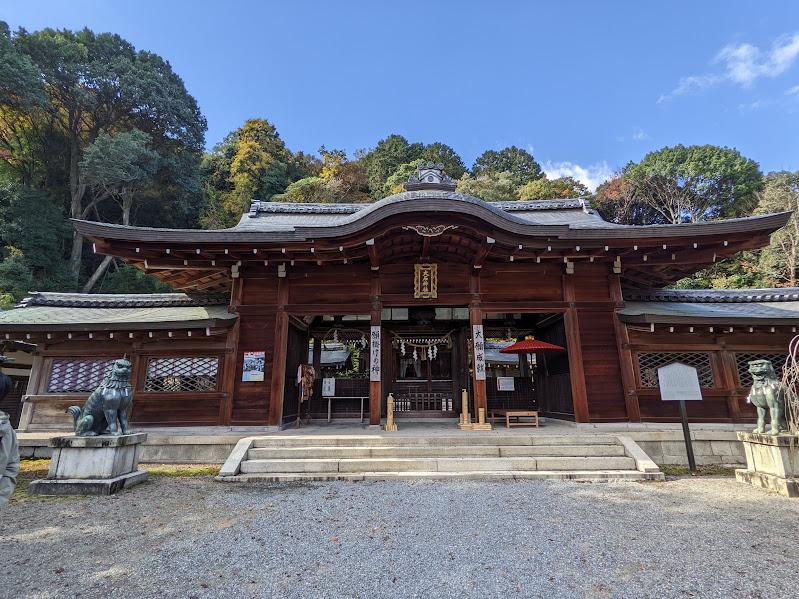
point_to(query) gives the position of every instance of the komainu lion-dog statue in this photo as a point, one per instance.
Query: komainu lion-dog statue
(106, 410)
(767, 393)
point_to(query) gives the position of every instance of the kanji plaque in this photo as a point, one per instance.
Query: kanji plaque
(425, 281)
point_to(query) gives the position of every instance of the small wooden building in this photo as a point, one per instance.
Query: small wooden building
(414, 286)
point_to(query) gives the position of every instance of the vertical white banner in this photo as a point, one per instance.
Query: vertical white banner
(374, 354)
(479, 352)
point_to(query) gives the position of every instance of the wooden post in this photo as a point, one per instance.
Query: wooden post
(376, 319)
(476, 318)
(279, 349)
(229, 374)
(317, 366)
(727, 375)
(625, 355)
(575, 349)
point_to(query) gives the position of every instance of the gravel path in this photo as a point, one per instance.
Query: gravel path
(192, 537)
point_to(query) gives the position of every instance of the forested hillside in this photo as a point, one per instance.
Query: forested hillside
(93, 128)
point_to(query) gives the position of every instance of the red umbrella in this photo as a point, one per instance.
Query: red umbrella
(528, 345)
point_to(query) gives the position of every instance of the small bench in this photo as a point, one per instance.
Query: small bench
(517, 414)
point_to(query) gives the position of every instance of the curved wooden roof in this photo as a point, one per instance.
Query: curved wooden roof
(445, 226)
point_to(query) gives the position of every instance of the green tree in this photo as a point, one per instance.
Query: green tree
(33, 234)
(395, 182)
(695, 183)
(616, 201)
(519, 163)
(385, 158)
(251, 163)
(116, 167)
(547, 189)
(498, 186)
(443, 154)
(92, 83)
(780, 260)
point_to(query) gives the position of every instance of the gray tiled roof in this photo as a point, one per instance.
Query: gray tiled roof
(733, 306)
(772, 294)
(79, 311)
(121, 300)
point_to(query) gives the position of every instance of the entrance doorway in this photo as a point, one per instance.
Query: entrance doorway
(539, 381)
(426, 362)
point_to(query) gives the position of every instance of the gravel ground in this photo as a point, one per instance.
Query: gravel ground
(192, 537)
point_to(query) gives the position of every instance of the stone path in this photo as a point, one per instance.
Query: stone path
(192, 537)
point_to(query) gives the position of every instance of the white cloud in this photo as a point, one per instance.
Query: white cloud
(743, 65)
(637, 135)
(591, 176)
(792, 91)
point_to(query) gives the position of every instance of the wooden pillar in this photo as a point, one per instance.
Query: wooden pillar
(229, 374)
(625, 355)
(375, 320)
(726, 369)
(571, 322)
(279, 354)
(476, 318)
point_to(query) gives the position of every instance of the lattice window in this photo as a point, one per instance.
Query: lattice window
(648, 364)
(77, 375)
(184, 374)
(742, 362)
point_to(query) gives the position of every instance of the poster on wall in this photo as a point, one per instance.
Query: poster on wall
(479, 352)
(374, 354)
(328, 387)
(505, 383)
(253, 366)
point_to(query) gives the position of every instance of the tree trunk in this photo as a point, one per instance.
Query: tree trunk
(97, 274)
(127, 205)
(76, 192)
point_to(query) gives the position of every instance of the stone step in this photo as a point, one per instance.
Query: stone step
(443, 464)
(577, 475)
(489, 439)
(424, 451)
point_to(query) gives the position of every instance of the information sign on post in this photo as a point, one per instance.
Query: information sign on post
(680, 382)
(374, 353)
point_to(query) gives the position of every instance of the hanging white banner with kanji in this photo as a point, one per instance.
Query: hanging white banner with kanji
(479, 352)
(374, 354)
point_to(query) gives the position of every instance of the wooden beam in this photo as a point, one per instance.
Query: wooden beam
(483, 252)
(374, 256)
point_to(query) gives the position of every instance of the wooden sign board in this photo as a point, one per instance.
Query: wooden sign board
(479, 352)
(679, 382)
(374, 353)
(506, 383)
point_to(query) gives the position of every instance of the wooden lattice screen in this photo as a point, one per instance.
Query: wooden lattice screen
(649, 362)
(182, 374)
(77, 375)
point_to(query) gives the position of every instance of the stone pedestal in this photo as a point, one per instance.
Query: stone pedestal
(92, 465)
(772, 462)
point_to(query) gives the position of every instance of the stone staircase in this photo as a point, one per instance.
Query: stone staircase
(388, 457)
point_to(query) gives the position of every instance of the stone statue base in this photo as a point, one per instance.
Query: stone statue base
(99, 465)
(772, 462)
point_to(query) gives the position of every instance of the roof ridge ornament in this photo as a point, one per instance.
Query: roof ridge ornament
(429, 175)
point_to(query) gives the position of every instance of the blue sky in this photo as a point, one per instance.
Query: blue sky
(585, 86)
